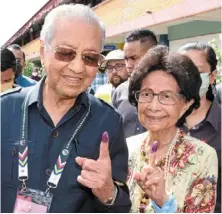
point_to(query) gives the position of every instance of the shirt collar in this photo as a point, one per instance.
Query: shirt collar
(214, 115)
(37, 90)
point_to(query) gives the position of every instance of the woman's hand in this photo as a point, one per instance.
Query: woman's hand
(97, 174)
(152, 182)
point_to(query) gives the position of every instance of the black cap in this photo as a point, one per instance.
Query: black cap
(8, 60)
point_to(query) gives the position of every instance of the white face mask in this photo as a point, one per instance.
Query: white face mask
(34, 74)
(205, 84)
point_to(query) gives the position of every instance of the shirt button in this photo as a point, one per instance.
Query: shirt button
(48, 172)
(137, 128)
(55, 133)
(14, 151)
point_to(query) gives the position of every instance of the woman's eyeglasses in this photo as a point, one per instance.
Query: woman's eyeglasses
(164, 97)
(66, 54)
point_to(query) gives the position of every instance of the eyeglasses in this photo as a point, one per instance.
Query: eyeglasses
(164, 97)
(118, 67)
(66, 54)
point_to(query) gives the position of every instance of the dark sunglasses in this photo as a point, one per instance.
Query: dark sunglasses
(66, 54)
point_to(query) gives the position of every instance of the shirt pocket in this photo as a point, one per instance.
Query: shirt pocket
(9, 160)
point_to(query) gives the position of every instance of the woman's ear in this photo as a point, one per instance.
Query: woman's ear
(186, 106)
(213, 76)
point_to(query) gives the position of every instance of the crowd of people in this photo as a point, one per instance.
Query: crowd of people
(137, 130)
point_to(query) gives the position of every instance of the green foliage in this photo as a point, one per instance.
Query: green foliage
(28, 68)
(218, 52)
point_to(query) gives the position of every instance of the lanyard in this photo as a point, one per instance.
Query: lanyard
(23, 149)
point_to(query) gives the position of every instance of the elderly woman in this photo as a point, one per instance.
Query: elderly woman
(204, 123)
(169, 171)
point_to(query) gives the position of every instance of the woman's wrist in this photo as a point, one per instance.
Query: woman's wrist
(162, 201)
(169, 206)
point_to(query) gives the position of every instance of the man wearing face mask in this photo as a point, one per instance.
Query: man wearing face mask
(8, 66)
(204, 123)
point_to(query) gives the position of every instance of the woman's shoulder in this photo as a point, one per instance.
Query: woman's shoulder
(199, 145)
(134, 142)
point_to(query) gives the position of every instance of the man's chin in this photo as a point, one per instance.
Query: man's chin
(69, 94)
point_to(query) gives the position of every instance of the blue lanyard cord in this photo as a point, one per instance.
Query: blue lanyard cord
(23, 148)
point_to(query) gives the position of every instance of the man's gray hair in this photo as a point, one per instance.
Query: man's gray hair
(69, 12)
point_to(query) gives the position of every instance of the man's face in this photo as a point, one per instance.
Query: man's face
(19, 57)
(117, 72)
(70, 78)
(133, 52)
(7, 79)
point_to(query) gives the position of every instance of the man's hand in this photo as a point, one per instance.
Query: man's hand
(97, 174)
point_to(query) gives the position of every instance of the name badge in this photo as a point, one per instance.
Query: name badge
(32, 201)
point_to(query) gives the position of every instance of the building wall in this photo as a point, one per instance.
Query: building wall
(204, 31)
(32, 49)
(175, 44)
(114, 12)
(192, 29)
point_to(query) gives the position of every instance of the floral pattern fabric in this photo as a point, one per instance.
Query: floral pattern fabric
(191, 176)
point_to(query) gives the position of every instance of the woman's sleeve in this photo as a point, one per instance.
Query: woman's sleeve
(202, 193)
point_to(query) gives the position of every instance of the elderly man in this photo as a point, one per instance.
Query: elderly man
(136, 45)
(116, 70)
(65, 149)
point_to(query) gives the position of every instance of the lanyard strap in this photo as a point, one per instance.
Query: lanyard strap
(23, 148)
(23, 145)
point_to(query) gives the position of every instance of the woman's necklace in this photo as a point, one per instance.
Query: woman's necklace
(170, 149)
(165, 162)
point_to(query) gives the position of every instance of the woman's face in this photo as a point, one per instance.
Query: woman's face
(154, 115)
(199, 58)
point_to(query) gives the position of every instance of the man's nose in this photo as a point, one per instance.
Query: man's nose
(77, 64)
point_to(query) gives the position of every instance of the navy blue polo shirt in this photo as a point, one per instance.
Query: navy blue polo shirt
(45, 142)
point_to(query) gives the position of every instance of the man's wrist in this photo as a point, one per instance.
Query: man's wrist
(110, 201)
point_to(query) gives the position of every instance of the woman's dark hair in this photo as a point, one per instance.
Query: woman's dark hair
(210, 57)
(179, 66)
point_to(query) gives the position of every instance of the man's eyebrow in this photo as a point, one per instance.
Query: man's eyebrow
(130, 56)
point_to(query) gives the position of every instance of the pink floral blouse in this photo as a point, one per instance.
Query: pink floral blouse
(192, 175)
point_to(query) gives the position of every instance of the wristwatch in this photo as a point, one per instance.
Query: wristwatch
(111, 200)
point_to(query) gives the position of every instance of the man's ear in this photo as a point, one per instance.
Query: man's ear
(186, 106)
(42, 49)
(213, 76)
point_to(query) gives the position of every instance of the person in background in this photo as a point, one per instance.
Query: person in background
(218, 93)
(20, 79)
(116, 71)
(169, 171)
(136, 45)
(204, 123)
(100, 78)
(36, 75)
(8, 67)
(76, 145)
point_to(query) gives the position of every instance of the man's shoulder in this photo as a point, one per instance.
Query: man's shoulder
(28, 79)
(15, 93)
(121, 90)
(101, 107)
(11, 91)
(25, 81)
(123, 86)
